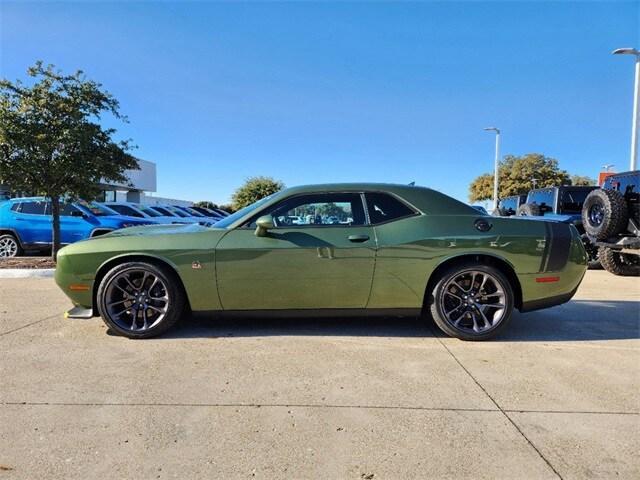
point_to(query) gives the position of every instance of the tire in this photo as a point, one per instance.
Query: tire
(155, 294)
(604, 213)
(623, 264)
(593, 253)
(457, 315)
(9, 246)
(529, 210)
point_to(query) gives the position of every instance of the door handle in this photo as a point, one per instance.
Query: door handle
(358, 238)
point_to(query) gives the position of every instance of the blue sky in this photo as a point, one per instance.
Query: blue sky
(323, 92)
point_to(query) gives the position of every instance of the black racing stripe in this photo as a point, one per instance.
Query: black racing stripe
(560, 246)
(547, 245)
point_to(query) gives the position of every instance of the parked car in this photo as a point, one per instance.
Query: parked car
(192, 217)
(611, 219)
(194, 213)
(26, 223)
(138, 210)
(207, 212)
(508, 206)
(562, 204)
(408, 250)
(170, 212)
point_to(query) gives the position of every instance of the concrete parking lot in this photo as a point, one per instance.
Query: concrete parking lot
(557, 396)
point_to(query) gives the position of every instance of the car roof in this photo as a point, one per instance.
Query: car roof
(26, 199)
(423, 199)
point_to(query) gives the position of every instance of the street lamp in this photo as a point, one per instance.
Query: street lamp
(636, 97)
(495, 169)
(607, 166)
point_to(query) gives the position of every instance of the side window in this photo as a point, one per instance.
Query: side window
(32, 208)
(66, 209)
(384, 208)
(15, 207)
(319, 209)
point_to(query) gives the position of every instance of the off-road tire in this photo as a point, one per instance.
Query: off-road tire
(614, 215)
(175, 291)
(433, 304)
(593, 253)
(529, 210)
(623, 264)
(8, 238)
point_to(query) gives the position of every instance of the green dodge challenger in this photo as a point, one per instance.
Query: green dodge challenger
(324, 250)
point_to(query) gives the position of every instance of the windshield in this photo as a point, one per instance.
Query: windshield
(177, 211)
(191, 211)
(96, 209)
(148, 211)
(226, 221)
(162, 211)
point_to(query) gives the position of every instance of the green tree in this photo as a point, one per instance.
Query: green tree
(254, 189)
(582, 180)
(51, 142)
(517, 174)
(205, 204)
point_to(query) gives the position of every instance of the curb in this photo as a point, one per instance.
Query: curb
(27, 272)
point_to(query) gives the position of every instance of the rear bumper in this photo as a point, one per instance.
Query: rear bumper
(541, 303)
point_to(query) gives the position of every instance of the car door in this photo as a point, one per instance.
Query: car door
(73, 224)
(32, 225)
(323, 263)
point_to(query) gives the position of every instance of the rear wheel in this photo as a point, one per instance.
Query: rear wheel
(618, 263)
(472, 302)
(593, 253)
(604, 213)
(140, 300)
(529, 210)
(9, 246)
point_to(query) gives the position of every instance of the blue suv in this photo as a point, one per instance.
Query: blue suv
(26, 223)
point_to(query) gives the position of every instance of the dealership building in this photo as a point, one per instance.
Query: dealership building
(139, 188)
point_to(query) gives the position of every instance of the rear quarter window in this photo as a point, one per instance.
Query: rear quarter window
(383, 208)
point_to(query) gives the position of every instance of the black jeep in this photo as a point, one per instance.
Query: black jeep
(611, 219)
(562, 204)
(508, 206)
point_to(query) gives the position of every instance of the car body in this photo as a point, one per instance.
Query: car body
(611, 219)
(26, 223)
(402, 246)
(137, 210)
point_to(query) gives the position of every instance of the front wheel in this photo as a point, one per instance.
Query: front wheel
(9, 246)
(140, 300)
(472, 302)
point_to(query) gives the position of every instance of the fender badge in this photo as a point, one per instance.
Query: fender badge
(196, 265)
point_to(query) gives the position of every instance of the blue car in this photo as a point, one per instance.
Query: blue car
(26, 223)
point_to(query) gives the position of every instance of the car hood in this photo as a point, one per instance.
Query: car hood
(148, 230)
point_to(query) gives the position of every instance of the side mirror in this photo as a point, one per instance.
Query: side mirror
(78, 213)
(263, 225)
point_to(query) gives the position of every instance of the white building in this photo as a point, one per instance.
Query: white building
(142, 183)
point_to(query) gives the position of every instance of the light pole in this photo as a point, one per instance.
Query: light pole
(636, 98)
(495, 166)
